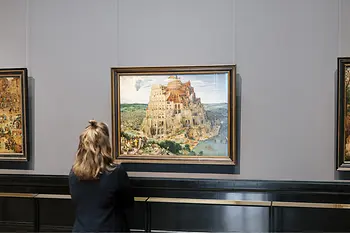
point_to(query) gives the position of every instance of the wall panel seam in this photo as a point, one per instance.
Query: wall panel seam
(339, 28)
(27, 36)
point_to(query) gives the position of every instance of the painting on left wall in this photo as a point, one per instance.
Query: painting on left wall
(13, 114)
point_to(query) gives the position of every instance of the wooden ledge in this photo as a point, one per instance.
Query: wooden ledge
(209, 201)
(198, 201)
(141, 199)
(310, 205)
(53, 196)
(22, 195)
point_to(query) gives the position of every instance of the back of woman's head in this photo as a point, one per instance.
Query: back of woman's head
(94, 155)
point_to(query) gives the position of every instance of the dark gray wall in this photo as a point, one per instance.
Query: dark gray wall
(285, 53)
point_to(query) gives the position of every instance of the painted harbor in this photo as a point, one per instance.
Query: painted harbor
(132, 116)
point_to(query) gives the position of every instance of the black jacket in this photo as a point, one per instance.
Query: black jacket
(100, 204)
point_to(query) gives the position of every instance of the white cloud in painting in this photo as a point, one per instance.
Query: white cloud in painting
(211, 88)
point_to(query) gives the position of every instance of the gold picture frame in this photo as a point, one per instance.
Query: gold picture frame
(158, 116)
(14, 114)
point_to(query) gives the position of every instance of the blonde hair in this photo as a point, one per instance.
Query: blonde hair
(94, 154)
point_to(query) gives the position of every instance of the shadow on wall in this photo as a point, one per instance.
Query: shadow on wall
(200, 168)
(31, 135)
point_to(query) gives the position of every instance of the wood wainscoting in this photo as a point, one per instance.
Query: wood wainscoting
(34, 203)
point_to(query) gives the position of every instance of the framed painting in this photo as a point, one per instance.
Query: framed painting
(13, 114)
(174, 114)
(343, 115)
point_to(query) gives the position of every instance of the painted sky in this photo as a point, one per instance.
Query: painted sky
(211, 88)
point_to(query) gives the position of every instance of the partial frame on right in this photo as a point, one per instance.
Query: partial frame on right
(343, 115)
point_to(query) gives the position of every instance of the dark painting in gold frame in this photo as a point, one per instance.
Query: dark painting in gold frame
(13, 114)
(175, 115)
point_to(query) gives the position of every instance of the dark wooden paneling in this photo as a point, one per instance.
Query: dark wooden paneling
(137, 216)
(17, 209)
(34, 183)
(59, 185)
(16, 227)
(16, 214)
(240, 185)
(312, 197)
(312, 220)
(57, 215)
(188, 217)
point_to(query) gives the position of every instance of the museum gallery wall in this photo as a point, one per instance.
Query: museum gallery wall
(164, 115)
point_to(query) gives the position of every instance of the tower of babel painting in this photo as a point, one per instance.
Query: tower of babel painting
(174, 109)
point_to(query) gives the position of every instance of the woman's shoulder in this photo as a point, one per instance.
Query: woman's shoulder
(114, 168)
(72, 178)
(116, 171)
(71, 174)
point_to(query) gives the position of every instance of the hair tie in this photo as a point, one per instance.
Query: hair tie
(93, 123)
